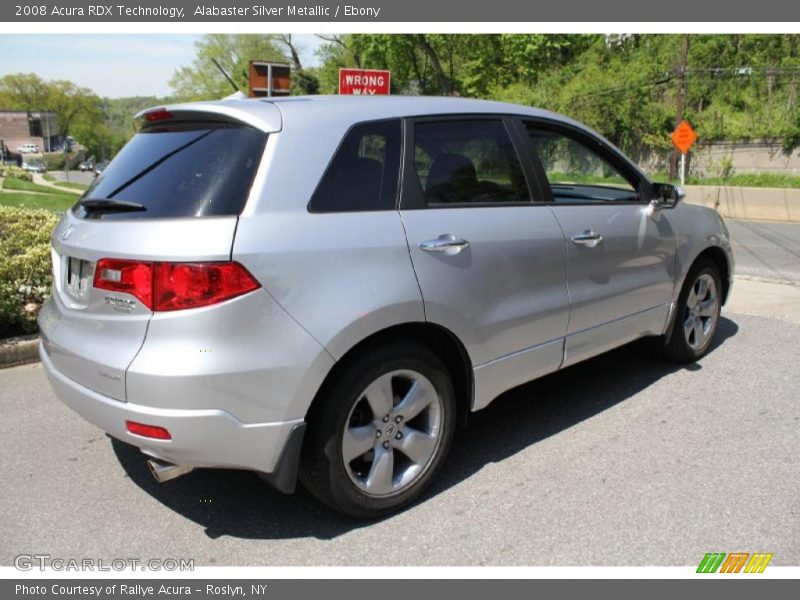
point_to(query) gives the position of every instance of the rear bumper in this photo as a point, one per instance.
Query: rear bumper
(200, 438)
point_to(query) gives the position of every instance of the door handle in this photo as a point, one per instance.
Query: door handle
(587, 238)
(446, 243)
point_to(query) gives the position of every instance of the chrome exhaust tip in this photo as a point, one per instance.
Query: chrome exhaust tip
(164, 471)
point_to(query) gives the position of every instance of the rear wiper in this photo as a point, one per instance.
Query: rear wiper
(109, 205)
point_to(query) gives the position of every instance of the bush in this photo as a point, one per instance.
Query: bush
(25, 271)
(55, 161)
(15, 172)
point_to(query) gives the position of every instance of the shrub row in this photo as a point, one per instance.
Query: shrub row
(15, 172)
(25, 270)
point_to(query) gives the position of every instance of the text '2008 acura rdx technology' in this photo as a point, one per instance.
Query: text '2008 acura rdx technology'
(322, 288)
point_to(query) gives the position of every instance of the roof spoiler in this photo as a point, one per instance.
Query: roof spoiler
(232, 109)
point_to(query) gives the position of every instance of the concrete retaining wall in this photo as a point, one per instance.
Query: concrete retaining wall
(773, 204)
(707, 160)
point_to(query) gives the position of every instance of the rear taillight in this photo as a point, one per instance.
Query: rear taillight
(127, 276)
(163, 286)
(189, 285)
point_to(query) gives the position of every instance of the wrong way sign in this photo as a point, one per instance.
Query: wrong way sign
(364, 82)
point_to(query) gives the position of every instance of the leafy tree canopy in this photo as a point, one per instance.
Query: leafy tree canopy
(738, 87)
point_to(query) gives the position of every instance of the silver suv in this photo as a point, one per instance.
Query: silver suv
(327, 286)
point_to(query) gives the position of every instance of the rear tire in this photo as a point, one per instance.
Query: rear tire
(697, 314)
(380, 431)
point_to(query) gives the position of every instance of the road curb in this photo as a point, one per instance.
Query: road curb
(19, 351)
(762, 279)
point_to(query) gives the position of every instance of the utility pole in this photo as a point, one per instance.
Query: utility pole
(46, 131)
(680, 101)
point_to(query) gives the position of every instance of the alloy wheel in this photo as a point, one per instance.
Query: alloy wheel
(392, 433)
(701, 311)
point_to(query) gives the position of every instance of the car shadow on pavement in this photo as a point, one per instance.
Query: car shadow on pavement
(239, 504)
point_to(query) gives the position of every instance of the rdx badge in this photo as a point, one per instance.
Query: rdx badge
(120, 304)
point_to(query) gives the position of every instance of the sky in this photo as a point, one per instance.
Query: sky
(147, 61)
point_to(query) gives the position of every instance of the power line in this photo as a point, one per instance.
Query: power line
(741, 71)
(625, 88)
(671, 75)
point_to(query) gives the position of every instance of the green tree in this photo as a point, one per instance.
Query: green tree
(72, 104)
(77, 109)
(737, 86)
(202, 80)
(304, 81)
(442, 64)
(339, 51)
(24, 91)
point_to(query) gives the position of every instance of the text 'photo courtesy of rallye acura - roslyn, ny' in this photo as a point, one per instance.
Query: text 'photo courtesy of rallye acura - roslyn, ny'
(323, 288)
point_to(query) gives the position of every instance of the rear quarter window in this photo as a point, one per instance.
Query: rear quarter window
(181, 170)
(363, 174)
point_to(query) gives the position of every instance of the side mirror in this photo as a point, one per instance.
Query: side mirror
(666, 195)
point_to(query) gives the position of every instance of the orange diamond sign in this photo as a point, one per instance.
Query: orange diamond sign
(684, 136)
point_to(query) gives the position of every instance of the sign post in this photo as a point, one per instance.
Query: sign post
(683, 137)
(364, 82)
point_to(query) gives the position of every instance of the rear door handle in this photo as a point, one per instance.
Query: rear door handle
(587, 238)
(446, 243)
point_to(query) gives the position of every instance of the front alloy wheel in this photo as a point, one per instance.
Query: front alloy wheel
(697, 314)
(701, 311)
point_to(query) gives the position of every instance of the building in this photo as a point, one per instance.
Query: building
(20, 127)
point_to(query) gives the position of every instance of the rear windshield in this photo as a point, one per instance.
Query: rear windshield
(180, 170)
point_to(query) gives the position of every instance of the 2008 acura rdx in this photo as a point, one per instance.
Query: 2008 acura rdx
(328, 285)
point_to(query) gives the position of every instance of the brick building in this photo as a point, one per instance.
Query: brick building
(19, 127)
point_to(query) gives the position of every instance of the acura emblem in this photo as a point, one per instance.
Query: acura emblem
(67, 232)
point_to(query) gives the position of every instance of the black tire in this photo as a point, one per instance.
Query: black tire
(680, 349)
(323, 471)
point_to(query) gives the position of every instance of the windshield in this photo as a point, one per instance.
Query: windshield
(179, 170)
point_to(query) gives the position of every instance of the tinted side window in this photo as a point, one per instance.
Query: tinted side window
(364, 171)
(182, 170)
(577, 173)
(467, 161)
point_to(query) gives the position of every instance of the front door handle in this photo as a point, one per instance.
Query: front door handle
(587, 238)
(446, 243)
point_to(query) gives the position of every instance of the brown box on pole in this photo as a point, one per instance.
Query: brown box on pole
(266, 79)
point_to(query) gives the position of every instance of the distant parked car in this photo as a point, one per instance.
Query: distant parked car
(28, 149)
(34, 166)
(86, 165)
(100, 167)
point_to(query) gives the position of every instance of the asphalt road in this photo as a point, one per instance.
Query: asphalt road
(766, 249)
(622, 460)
